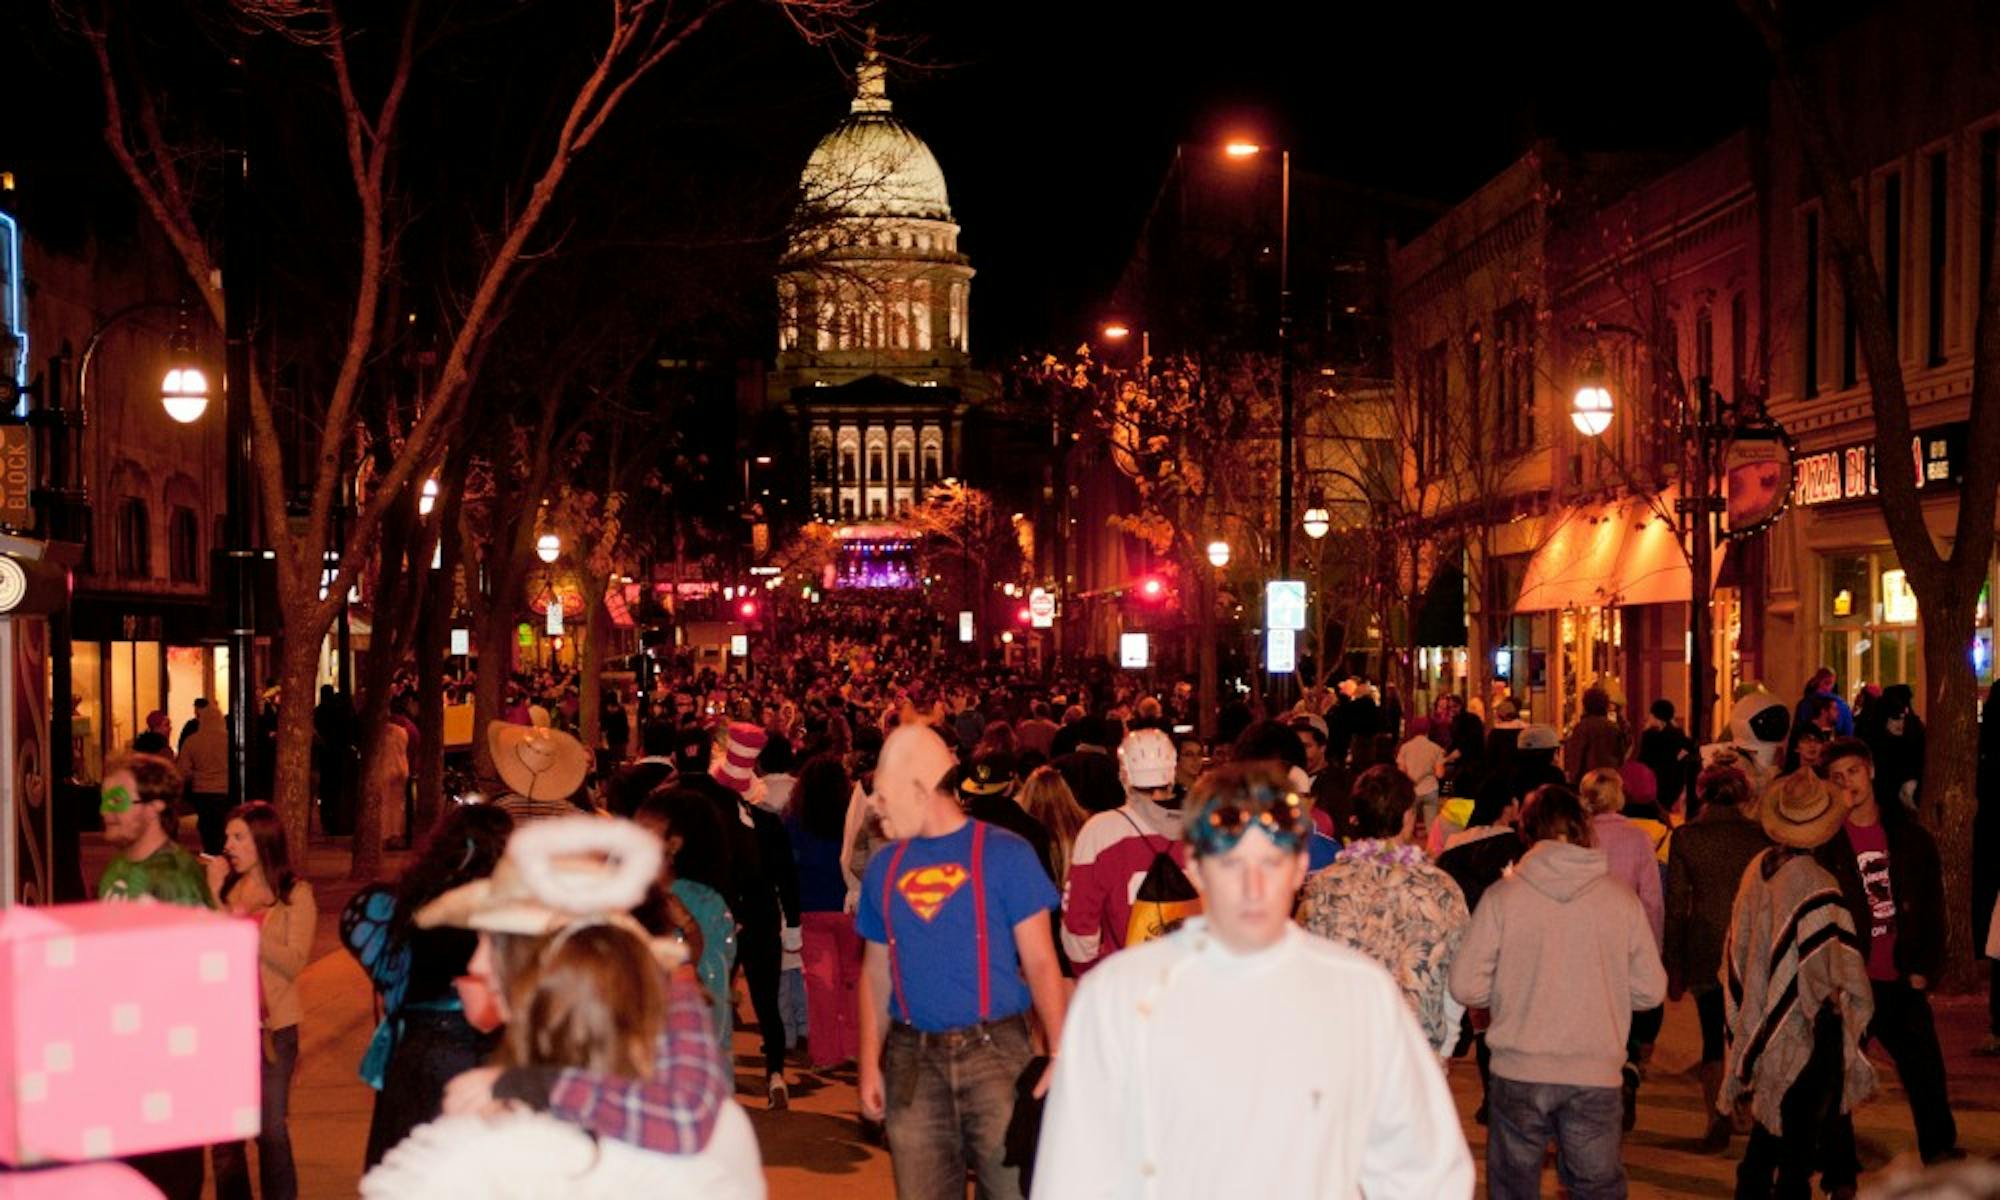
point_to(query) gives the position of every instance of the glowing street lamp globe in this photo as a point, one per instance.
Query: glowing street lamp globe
(1590, 412)
(1317, 522)
(184, 394)
(427, 498)
(548, 547)
(1590, 409)
(1218, 554)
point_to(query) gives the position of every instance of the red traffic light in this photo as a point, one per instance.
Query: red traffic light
(748, 608)
(1152, 588)
(1024, 616)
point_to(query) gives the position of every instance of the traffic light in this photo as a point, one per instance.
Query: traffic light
(748, 610)
(1152, 587)
(1024, 616)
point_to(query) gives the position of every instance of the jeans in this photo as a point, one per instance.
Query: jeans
(951, 1099)
(792, 1004)
(1584, 1121)
(1904, 1027)
(1817, 1135)
(831, 954)
(277, 1177)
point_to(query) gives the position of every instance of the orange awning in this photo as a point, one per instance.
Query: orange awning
(1621, 553)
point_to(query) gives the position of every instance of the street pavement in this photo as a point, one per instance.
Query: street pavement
(814, 1149)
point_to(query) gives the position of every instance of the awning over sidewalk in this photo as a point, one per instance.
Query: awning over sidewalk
(1621, 553)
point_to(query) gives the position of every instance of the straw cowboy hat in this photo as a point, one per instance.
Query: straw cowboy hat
(1799, 810)
(539, 764)
(559, 873)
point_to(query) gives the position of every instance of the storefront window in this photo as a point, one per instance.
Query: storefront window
(86, 676)
(1982, 638)
(1869, 621)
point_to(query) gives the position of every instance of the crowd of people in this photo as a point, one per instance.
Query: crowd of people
(1054, 933)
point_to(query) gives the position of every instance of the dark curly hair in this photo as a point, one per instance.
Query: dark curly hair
(465, 845)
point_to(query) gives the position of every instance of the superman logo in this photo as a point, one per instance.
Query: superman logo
(925, 889)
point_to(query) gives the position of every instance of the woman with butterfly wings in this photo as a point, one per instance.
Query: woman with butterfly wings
(423, 1039)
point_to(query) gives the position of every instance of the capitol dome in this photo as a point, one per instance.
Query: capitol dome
(871, 165)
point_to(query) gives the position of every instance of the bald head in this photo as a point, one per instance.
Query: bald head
(914, 761)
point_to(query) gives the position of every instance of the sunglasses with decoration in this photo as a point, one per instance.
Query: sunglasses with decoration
(1225, 818)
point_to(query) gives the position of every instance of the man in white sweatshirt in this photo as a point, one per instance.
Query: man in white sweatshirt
(1188, 1068)
(1562, 955)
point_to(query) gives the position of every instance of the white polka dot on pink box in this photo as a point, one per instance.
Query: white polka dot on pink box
(125, 1029)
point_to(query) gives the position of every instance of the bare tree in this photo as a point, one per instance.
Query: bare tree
(319, 42)
(1946, 584)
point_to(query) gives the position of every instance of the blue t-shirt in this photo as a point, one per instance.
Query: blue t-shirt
(1320, 851)
(938, 949)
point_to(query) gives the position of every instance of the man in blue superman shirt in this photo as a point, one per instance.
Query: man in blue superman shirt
(956, 917)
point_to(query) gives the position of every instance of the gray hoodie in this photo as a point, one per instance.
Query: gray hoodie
(1562, 954)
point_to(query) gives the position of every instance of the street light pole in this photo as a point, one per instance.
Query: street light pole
(236, 268)
(1591, 414)
(1701, 505)
(1285, 365)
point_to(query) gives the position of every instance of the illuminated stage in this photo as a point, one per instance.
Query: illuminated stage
(876, 558)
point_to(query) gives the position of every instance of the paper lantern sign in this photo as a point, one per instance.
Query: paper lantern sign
(125, 1029)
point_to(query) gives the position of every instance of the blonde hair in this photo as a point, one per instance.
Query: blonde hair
(1047, 798)
(1603, 791)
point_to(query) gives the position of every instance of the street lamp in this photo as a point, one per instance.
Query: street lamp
(184, 392)
(1218, 555)
(1590, 408)
(1700, 432)
(548, 547)
(1241, 150)
(427, 498)
(1317, 520)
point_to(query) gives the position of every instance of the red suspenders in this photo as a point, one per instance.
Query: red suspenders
(889, 925)
(978, 919)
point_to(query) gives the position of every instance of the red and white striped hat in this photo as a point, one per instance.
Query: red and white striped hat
(735, 770)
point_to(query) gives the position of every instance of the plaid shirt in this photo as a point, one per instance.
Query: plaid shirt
(674, 1110)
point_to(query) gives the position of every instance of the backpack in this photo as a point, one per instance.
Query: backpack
(1166, 896)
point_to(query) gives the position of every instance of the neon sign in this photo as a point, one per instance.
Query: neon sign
(12, 305)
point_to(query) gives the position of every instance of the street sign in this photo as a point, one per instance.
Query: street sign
(739, 645)
(964, 626)
(554, 625)
(1132, 651)
(1285, 604)
(17, 477)
(1041, 609)
(461, 642)
(1281, 651)
(1758, 470)
(525, 635)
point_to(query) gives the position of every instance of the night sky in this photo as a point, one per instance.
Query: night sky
(1055, 120)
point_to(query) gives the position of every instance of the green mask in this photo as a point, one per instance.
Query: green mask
(114, 800)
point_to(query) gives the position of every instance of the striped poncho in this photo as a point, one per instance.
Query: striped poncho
(1791, 951)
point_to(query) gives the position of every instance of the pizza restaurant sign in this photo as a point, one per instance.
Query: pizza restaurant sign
(1848, 473)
